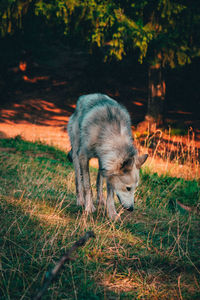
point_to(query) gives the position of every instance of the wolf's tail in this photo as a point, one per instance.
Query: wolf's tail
(69, 156)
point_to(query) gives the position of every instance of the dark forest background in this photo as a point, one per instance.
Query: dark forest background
(146, 51)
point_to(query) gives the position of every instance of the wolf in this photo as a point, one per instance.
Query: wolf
(100, 127)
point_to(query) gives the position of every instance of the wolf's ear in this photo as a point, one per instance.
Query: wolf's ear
(140, 160)
(127, 165)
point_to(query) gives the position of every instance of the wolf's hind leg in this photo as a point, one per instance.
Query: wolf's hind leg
(78, 179)
(84, 164)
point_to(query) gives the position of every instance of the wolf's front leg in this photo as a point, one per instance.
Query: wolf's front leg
(100, 198)
(110, 203)
(84, 163)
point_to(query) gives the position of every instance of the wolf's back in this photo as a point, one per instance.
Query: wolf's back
(101, 110)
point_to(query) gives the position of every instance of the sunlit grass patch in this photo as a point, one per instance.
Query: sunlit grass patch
(152, 253)
(166, 190)
(177, 156)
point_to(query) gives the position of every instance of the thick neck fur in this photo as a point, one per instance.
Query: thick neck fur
(115, 151)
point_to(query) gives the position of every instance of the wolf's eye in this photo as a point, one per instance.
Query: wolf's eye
(128, 188)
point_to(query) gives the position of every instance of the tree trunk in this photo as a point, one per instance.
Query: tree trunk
(156, 95)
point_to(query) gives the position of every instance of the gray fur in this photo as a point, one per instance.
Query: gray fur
(101, 128)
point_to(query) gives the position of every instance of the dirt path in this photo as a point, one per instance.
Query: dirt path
(42, 97)
(47, 124)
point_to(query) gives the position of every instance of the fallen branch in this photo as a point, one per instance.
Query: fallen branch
(185, 207)
(192, 209)
(66, 257)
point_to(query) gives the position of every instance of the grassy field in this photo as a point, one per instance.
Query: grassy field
(152, 253)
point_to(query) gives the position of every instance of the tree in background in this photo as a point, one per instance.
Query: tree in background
(162, 33)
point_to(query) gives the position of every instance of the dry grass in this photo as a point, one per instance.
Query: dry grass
(151, 254)
(177, 156)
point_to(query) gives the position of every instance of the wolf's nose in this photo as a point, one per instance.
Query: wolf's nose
(130, 208)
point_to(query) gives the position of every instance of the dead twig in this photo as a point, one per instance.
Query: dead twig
(188, 208)
(66, 257)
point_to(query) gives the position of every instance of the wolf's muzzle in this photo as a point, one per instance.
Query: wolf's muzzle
(130, 208)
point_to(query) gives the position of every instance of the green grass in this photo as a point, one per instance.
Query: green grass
(152, 253)
(168, 190)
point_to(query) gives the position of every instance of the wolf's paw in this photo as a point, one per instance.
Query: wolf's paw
(114, 216)
(90, 209)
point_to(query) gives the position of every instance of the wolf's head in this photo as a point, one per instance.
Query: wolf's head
(125, 178)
